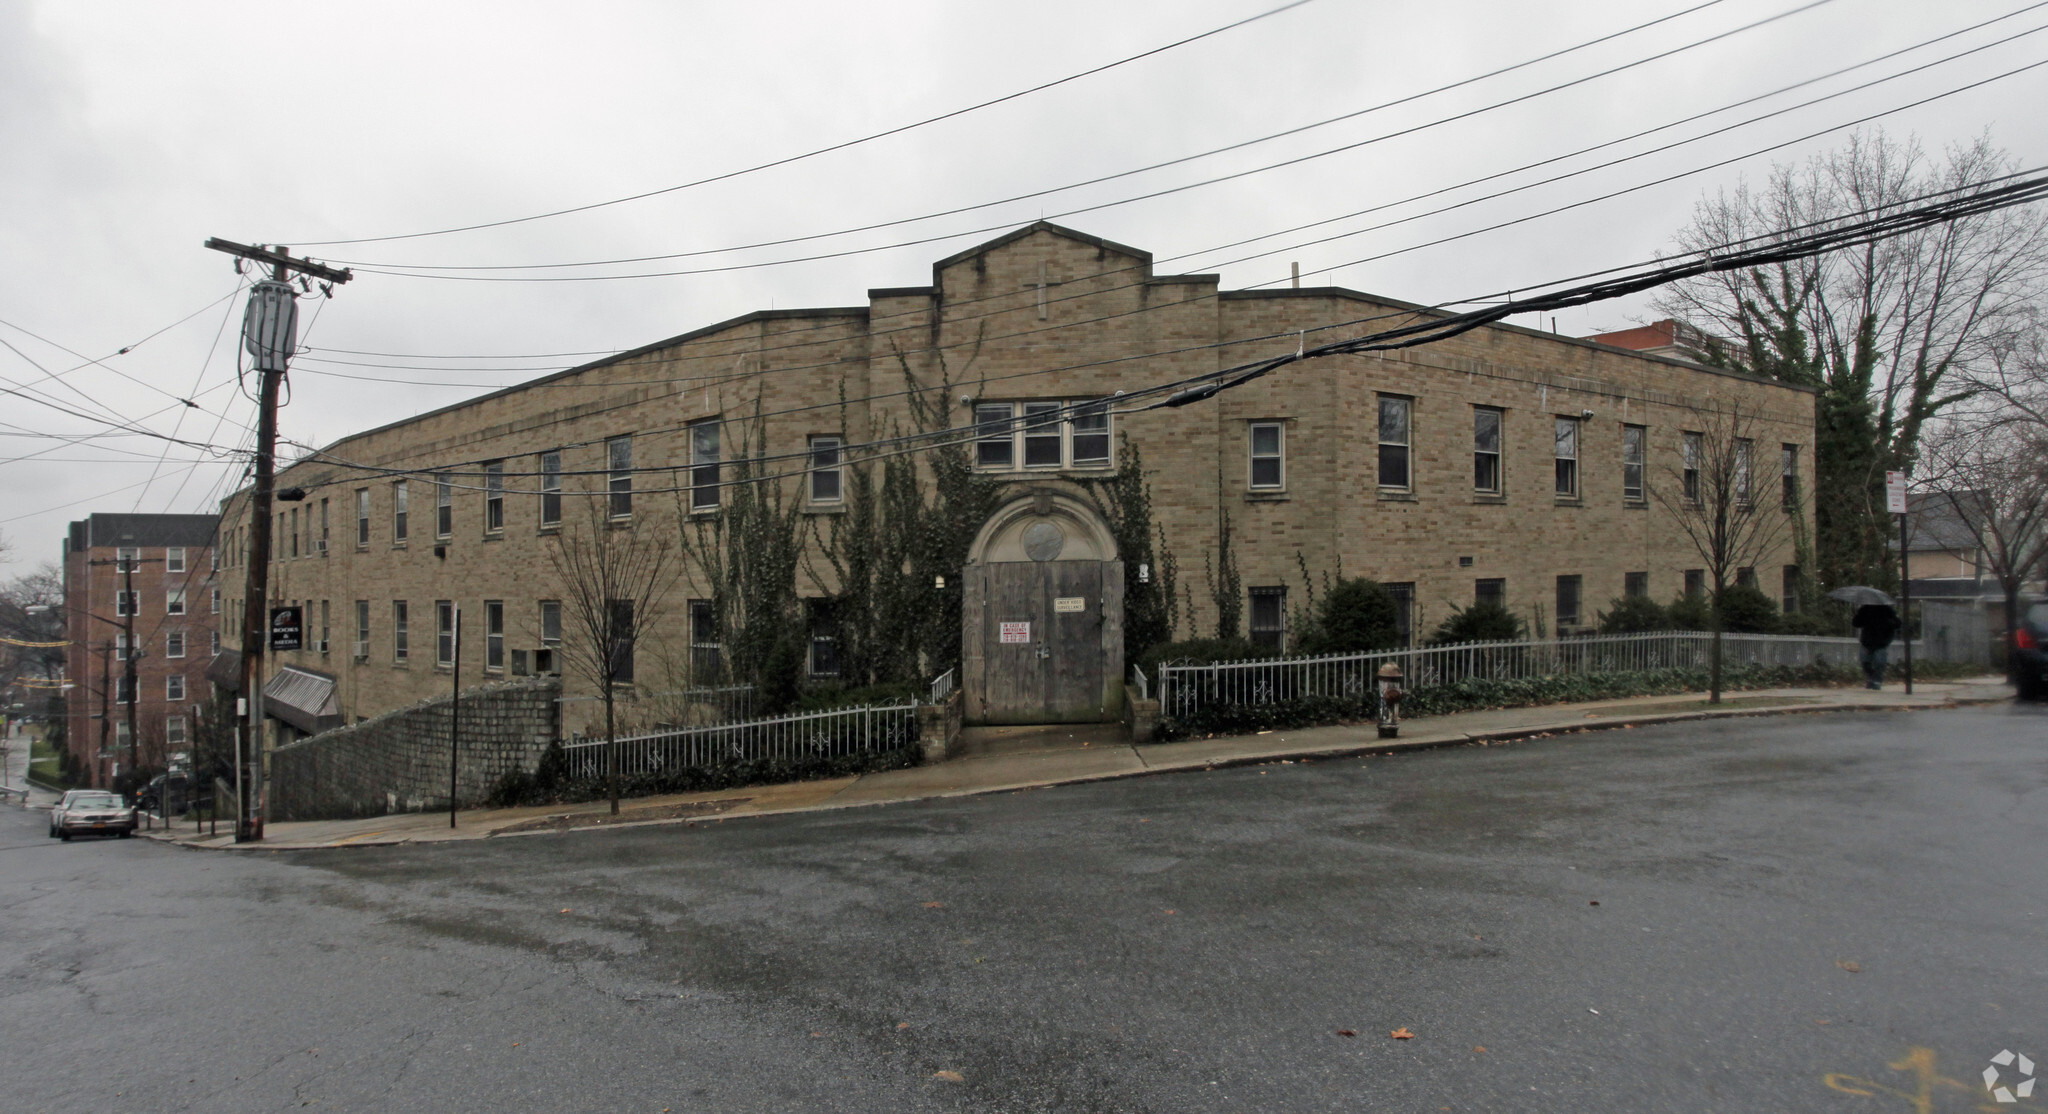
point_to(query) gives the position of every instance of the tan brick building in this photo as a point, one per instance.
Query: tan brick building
(1504, 463)
(152, 575)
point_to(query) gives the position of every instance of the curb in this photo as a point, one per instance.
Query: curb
(1375, 746)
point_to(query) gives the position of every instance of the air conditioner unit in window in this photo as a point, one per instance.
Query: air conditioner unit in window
(319, 645)
(544, 662)
(519, 663)
(362, 651)
(320, 546)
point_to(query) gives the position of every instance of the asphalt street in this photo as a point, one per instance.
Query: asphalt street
(1840, 912)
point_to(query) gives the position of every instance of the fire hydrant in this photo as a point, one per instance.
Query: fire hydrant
(1390, 700)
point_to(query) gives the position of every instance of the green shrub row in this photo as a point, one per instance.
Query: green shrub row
(1479, 694)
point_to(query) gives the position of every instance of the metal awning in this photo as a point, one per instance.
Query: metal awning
(302, 698)
(226, 671)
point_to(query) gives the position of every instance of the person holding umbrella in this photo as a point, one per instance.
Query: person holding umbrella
(1876, 622)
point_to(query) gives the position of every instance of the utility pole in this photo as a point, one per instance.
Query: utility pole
(270, 330)
(106, 715)
(128, 669)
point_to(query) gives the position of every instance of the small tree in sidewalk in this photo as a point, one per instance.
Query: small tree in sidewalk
(1993, 478)
(1713, 499)
(613, 578)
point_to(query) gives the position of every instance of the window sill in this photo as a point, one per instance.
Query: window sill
(1388, 495)
(497, 536)
(1488, 498)
(401, 665)
(1635, 504)
(1267, 497)
(1569, 501)
(825, 508)
(400, 545)
(549, 528)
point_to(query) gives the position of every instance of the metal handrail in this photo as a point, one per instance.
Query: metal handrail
(832, 733)
(942, 686)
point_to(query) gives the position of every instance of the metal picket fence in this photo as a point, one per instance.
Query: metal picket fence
(868, 728)
(1186, 688)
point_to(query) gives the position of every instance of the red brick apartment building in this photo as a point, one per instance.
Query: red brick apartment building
(148, 581)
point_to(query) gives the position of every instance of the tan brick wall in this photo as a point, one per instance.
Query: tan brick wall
(1105, 324)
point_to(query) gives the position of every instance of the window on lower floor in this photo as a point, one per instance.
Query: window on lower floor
(174, 601)
(707, 652)
(174, 731)
(1492, 590)
(1788, 594)
(823, 624)
(1404, 612)
(494, 634)
(174, 687)
(1745, 577)
(1269, 618)
(362, 646)
(1635, 585)
(444, 632)
(1569, 589)
(398, 631)
(124, 689)
(1695, 582)
(622, 635)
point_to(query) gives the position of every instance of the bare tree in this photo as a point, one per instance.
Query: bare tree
(1892, 333)
(1714, 501)
(613, 576)
(1994, 478)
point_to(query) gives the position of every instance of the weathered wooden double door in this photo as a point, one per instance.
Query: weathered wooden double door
(1043, 659)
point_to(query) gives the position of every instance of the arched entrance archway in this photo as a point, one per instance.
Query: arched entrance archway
(1042, 635)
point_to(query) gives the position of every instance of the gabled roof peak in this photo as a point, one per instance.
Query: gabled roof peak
(1144, 258)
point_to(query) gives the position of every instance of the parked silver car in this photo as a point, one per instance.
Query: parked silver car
(92, 812)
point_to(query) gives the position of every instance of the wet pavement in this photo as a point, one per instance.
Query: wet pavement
(1837, 912)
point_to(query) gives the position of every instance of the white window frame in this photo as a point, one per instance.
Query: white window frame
(1406, 444)
(551, 488)
(174, 686)
(494, 497)
(401, 512)
(174, 644)
(174, 601)
(826, 466)
(1079, 421)
(1567, 446)
(618, 462)
(1278, 456)
(494, 636)
(362, 517)
(174, 559)
(1635, 441)
(1498, 452)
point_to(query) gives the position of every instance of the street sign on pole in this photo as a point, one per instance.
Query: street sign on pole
(1895, 492)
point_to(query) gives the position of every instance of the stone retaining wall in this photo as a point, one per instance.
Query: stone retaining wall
(398, 762)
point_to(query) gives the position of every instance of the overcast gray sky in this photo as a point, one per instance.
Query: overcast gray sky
(131, 131)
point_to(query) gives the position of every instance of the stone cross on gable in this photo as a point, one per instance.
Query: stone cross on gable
(1041, 286)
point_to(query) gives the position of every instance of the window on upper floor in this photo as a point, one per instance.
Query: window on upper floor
(1395, 413)
(444, 506)
(551, 488)
(362, 517)
(1268, 456)
(1633, 438)
(1788, 477)
(1694, 447)
(1044, 434)
(1486, 464)
(618, 455)
(1745, 472)
(399, 505)
(174, 644)
(706, 471)
(174, 601)
(174, 559)
(826, 475)
(494, 497)
(1567, 454)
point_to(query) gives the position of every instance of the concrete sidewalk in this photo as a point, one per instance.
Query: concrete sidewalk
(1028, 758)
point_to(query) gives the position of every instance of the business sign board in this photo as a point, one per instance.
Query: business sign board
(287, 627)
(1895, 492)
(1016, 632)
(1068, 604)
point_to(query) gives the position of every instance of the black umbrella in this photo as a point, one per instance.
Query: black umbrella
(1859, 595)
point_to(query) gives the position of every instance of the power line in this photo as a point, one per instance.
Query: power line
(411, 270)
(1443, 327)
(898, 130)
